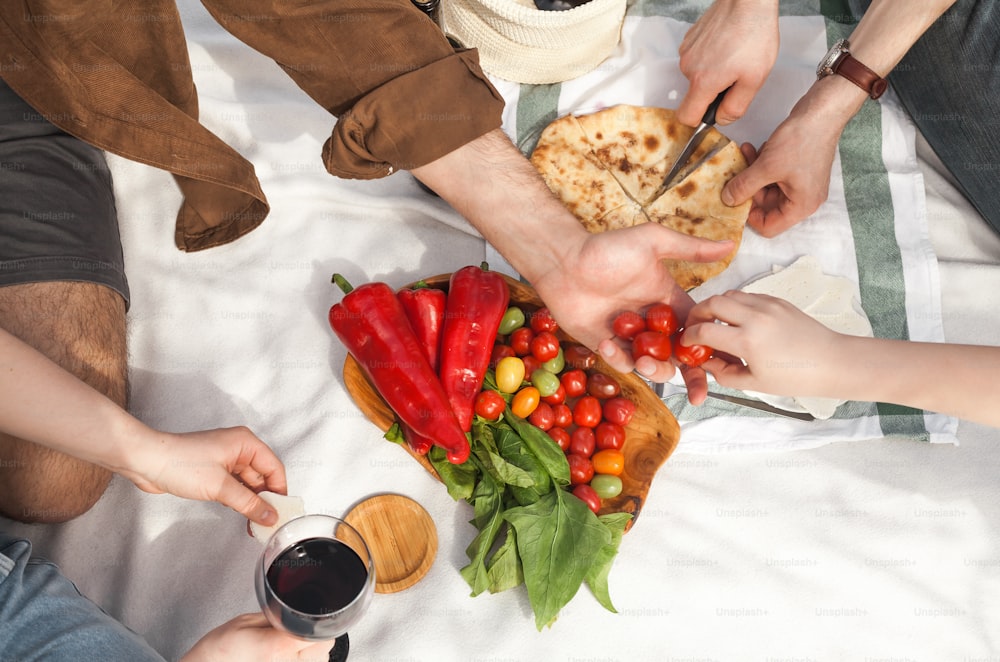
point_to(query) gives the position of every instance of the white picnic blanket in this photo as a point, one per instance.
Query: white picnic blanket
(882, 550)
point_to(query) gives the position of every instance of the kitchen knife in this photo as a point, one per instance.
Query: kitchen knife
(660, 390)
(699, 133)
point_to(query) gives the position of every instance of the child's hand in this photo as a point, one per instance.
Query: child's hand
(765, 344)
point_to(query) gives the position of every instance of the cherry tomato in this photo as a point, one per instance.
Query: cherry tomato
(500, 352)
(628, 324)
(520, 340)
(556, 398)
(545, 382)
(560, 436)
(556, 365)
(580, 469)
(563, 415)
(513, 319)
(582, 442)
(609, 435)
(692, 355)
(510, 374)
(531, 364)
(608, 461)
(525, 401)
(587, 412)
(543, 416)
(606, 486)
(542, 320)
(489, 405)
(619, 410)
(651, 343)
(575, 382)
(578, 356)
(545, 346)
(589, 496)
(603, 386)
(661, 317)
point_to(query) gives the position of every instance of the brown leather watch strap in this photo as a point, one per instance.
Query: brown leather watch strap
(851, 68)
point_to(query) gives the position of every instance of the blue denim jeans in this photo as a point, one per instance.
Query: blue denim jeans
(949, 82)
(44, 617)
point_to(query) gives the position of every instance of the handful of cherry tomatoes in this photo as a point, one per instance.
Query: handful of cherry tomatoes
(556, 389)
(657, 334)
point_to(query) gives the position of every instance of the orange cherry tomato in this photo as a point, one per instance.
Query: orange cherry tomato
(609, 461)
(525, 401)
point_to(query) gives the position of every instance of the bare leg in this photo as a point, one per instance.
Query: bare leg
(80, 326)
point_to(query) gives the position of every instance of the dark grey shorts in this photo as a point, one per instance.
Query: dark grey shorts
(57, 205)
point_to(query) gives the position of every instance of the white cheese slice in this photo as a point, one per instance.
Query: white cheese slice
(830, 300)
(288, 508)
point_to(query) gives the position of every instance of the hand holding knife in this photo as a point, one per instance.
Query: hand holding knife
(707, 122)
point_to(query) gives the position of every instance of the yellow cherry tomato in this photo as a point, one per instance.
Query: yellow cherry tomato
(525, 401)
(510, 374)
(609, 461)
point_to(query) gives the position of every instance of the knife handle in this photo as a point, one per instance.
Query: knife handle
(713, 107)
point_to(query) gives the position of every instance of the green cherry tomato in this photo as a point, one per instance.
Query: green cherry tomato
(606, 485)
(546, 382)
(512, 319)
(510, 374)
(556, 365)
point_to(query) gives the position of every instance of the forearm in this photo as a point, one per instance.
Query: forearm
(890, 27)
(959, 380)
(885, 33)
(42, 403)
(492, 185)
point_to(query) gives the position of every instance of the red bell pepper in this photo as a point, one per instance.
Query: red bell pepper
(371, 323)
(424, 308)
(401, 433)
(477, 300)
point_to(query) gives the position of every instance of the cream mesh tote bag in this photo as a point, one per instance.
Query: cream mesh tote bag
(521, 43)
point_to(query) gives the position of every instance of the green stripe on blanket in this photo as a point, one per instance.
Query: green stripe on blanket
(869, 207)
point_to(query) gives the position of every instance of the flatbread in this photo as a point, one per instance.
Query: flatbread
(574, 173)
(607, 168)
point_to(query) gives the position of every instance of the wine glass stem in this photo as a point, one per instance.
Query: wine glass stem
(341, 647)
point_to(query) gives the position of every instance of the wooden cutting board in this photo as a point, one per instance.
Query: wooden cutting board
(650, 438)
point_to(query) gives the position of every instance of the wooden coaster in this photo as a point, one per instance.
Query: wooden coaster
(401, 536)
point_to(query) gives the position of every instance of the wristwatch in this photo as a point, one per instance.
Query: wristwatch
(839, 60)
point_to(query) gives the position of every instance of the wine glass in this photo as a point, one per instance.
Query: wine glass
(315, 578)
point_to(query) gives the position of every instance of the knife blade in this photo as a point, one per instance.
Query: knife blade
(707, 122)
(761, 406)
(659, 389)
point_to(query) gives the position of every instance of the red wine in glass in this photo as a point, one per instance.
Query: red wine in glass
(315, 579)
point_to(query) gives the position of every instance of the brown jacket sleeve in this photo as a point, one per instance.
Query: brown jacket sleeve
(403, 95)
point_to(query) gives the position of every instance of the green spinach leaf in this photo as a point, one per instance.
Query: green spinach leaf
(558, 538)
(542, 446)
(597, 575)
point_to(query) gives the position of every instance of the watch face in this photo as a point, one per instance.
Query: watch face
(825, 67)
